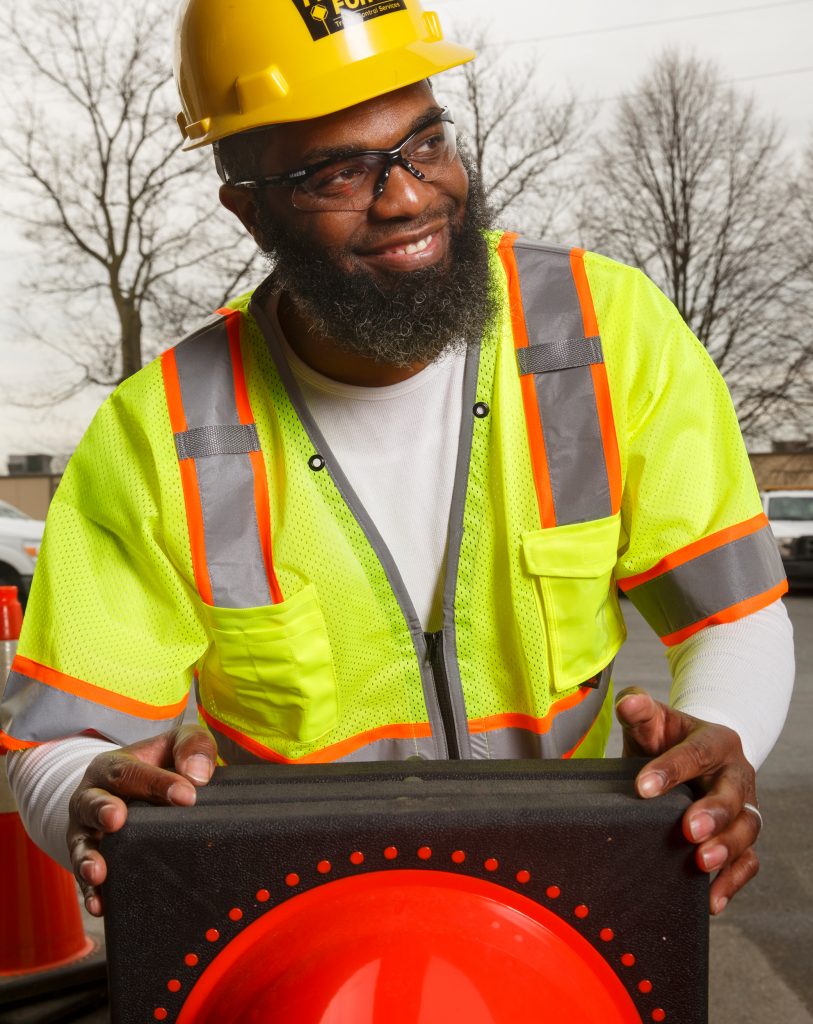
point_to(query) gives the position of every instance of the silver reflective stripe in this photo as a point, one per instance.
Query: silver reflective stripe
(233, 553)
(37, 713)
(565, 395)
(567, 729)
(218, 439)
(206, 377)
(560, 355)
(456, 520)
(709, 583)
(220, 446)
(379, 750)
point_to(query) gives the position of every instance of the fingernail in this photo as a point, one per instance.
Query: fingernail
(714, 857)
(106, 817)
(720, 905)
(86, 870)
(701, 826)
(182, 796)
(652, 784)
(93, 905)
(199, 768)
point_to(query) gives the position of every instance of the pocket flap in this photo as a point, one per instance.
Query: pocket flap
(578, 550)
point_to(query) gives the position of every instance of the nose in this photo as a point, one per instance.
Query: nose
(404, 196)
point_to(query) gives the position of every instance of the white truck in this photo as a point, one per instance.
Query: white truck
(20, 539)
(791, 517)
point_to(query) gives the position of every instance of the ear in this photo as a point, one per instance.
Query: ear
(240, 202)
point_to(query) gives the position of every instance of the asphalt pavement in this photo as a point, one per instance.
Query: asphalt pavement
(761, 945)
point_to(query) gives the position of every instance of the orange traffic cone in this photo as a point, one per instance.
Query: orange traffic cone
(42, 925)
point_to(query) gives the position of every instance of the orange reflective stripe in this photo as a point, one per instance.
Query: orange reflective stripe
(601, 384)
(241, 399)
(584, 293)
(172, 389)
(528, 722)
(533, 420)
(246, 415)
(189, 480)
(96, 694)
(399, 730)
(695, 549)
(730, 614)
(263, 509)
(9, 743)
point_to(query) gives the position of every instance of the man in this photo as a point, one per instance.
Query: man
(380, 507)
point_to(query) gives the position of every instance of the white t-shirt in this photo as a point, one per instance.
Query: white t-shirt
(397, 445)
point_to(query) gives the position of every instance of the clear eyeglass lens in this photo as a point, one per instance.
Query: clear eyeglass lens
(349, 184)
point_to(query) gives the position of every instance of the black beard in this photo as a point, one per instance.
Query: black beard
(398, 319)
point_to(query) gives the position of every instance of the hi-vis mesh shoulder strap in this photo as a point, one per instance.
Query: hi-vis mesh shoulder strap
(568, 411)
(222, 467)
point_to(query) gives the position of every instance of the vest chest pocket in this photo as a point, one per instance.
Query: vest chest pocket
(269, 670)
(572, 570)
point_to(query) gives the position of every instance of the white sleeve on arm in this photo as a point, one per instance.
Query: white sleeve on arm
(43, 780)
(738, 674)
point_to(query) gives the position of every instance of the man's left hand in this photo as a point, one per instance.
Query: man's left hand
(686, 749)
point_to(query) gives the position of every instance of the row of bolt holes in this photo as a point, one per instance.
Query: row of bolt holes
(324, 867)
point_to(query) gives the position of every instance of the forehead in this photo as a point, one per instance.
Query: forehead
(379, 123)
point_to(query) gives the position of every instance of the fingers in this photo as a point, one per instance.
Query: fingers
(649, 727)
(710, 755)
(93, 812)
(96, 811)
(99, 804)
(731, 879)
(725, 839)
(686, 750)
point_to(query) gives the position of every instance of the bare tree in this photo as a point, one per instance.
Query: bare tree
(520, 144)
(691, 186)
(132, 247)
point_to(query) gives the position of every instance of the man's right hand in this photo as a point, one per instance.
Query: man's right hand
(162, 770)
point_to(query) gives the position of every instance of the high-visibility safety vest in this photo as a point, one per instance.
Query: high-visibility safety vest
(203, 527)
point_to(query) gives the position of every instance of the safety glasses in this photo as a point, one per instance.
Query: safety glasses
(354, 181)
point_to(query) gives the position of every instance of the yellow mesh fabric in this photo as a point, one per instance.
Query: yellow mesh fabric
(111, 603)
(500, 635)
(685, 469)
(317, 540)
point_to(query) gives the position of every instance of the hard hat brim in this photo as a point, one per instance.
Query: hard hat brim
(362, 80)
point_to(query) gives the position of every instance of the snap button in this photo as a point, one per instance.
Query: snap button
(481, 410)
(316, 462)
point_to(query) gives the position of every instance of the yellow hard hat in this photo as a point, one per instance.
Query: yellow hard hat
(241, 64)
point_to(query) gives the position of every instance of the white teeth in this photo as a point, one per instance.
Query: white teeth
(414, 246)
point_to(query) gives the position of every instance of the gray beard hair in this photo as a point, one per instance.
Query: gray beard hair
(401, 319)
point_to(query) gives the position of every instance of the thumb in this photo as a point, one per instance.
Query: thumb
(642, 720)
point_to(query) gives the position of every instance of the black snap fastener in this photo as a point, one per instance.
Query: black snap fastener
(316, 462)
(481, 410)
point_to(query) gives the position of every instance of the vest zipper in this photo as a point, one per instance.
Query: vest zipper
(434, 650)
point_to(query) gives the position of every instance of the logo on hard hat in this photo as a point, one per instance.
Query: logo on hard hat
(324, 17)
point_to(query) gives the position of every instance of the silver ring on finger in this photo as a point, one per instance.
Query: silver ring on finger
(755, 810)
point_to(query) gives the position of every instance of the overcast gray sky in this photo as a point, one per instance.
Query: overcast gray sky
(595, 50)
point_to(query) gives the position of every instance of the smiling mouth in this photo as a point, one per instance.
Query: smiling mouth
(413, 247)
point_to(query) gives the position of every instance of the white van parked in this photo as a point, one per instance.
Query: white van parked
(20, 539)
(791, 517)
